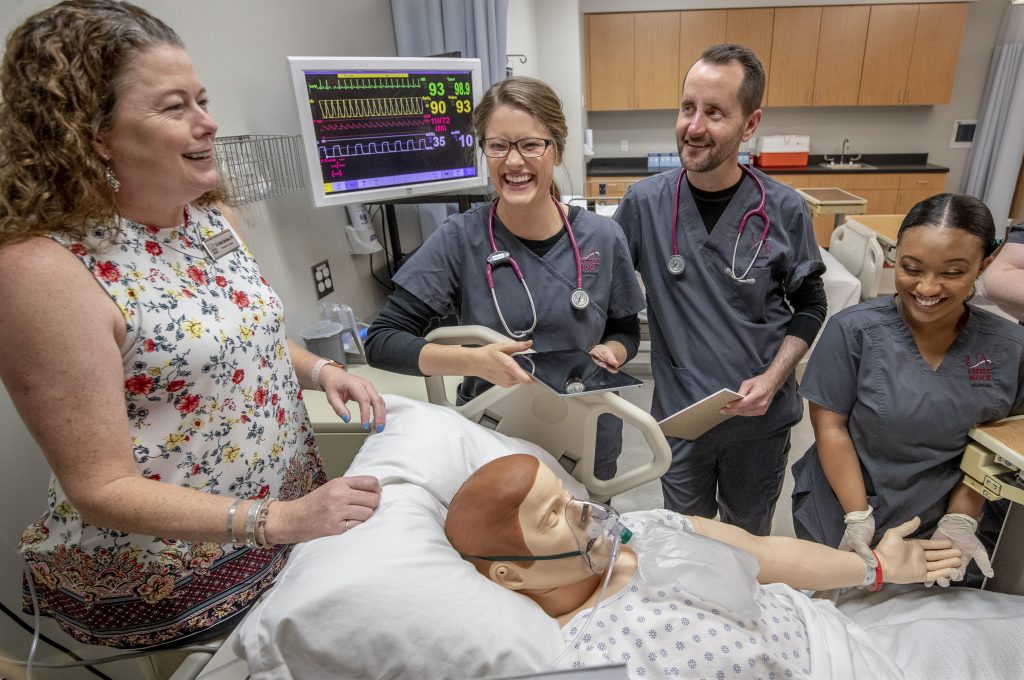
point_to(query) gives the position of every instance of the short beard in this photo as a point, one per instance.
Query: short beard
(712, 160)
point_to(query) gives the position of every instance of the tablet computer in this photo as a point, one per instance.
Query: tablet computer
(570, 372)
(696, 419)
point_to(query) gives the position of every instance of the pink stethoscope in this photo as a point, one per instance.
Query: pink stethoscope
(579, 298)
(676, 264)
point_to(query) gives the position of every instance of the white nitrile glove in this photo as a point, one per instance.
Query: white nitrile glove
(962, 531)
(860, 529)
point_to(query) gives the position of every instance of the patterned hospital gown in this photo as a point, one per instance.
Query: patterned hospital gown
(662, 627)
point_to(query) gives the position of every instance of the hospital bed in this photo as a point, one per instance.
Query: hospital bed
(391, 598)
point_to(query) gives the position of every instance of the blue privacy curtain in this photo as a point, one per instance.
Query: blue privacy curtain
(477, 28)
(995, 157)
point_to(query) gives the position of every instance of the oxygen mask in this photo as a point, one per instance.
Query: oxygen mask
(598, 531)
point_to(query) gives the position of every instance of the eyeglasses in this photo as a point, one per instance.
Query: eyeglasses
(528, 147)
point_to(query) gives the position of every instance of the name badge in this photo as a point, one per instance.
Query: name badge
(219, 245)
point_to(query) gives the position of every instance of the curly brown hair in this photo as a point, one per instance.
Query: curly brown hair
(59, 81)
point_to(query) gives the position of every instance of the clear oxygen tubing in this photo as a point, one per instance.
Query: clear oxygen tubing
(616, 547)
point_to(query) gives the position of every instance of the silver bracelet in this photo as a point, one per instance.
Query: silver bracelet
(231, 521)
(250, 523)
(261, 523)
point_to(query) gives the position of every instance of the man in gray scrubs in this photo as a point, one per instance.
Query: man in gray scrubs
(727, 307)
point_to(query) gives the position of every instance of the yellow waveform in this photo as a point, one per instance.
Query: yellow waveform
(333, 109)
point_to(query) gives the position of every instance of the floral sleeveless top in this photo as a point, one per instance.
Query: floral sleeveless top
(213, 404)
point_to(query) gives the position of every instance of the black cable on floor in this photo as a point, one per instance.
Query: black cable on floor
(53, 643)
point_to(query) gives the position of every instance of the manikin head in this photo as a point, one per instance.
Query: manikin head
(515, 507)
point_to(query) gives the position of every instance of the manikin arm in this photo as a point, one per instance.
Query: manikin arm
(811, 566)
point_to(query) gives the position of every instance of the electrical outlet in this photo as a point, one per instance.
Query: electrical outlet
(322, 279)
(624, 145)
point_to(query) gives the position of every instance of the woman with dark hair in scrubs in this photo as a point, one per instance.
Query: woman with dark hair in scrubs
(896, 383)
(546, 275)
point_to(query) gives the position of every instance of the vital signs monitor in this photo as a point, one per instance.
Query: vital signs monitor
(385, 128)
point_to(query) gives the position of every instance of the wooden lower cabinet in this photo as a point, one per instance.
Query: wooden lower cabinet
(614, 187)
(887, 193)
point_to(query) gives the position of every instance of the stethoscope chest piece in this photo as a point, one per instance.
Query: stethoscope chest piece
(579, 299)
(575, 386)
(676, 265)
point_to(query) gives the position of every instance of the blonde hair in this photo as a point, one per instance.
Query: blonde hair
(60, 78)
(533, 96)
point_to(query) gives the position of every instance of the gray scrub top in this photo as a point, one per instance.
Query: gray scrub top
(908, 423)
(448, 274)
(707, 330)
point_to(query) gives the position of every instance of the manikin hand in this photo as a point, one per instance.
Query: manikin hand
(495, 364)
(912, 560)
(604, 355)
(860, 528)
(334, 508)
(757, 392)
(961, 530)
(340, 387)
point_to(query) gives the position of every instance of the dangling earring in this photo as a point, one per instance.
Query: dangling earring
(112, 181)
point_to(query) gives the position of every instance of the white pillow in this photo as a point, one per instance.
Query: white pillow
(435, 448)
(391, 598)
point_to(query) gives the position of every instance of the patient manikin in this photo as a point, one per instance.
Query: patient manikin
(685, 595)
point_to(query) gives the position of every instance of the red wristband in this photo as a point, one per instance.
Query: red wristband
(877, 585)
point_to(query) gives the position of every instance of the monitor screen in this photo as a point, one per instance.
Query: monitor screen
(385, 128)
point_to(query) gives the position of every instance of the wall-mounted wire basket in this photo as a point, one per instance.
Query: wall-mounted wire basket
(257, 167)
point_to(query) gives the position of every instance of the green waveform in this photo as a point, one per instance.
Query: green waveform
(366, 84)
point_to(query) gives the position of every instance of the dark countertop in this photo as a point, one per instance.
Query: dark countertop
(885, 163)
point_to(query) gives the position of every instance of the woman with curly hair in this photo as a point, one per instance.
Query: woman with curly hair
(142, 347)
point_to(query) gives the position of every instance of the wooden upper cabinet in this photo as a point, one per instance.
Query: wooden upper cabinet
(840, 57)
(698, 30)
(610, 62)
(752, 28)
(794, 51)
(887, 53)
(836, 55)
(656, 35)
(940, 29)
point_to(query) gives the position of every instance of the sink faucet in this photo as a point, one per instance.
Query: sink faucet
(842, 154)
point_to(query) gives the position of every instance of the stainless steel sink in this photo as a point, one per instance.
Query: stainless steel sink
(848, 166)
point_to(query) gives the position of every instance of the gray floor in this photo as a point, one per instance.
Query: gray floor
(635, 450)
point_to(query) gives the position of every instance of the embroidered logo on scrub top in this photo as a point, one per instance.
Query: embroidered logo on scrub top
(755, 240)
(979, 370)
(591, 262)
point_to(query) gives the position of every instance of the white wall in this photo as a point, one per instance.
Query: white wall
(522, 36)
(879, 129)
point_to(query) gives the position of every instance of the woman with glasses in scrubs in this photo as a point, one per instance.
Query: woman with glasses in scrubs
(896, 383)
(516, 265)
